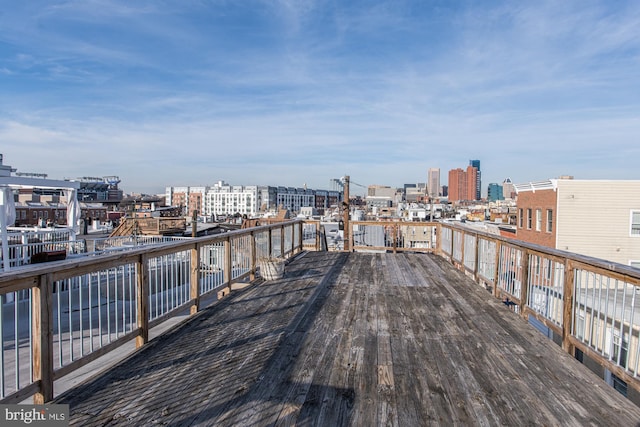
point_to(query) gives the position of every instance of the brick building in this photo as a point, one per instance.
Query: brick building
(462, 184)
(578, 216)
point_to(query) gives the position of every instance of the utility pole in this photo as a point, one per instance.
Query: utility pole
(345, 215)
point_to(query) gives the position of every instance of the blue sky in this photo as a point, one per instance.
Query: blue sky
(292, 92)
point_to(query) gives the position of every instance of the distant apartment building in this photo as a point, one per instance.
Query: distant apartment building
(189, 199)
(433, 182)
(462, 184)
(223, 199)
(326, 199)
(494, 192)
(579, 216)
(295, 198)
(415, 193)
(381, 191)
(226, 200)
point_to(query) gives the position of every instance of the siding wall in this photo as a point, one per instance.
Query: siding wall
(593, 218)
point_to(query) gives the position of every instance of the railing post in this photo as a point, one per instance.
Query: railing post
(496, 274)
(142, 294)
(524, 282)
(394, 236)
(282, 253)
(270, 243)
(462, 240)
(252, 257)
(476, 259)
(452, 256)
(567, 313)
(318, 243)
(228, 265)
(293, 239)
(195, 279)
(42, 338)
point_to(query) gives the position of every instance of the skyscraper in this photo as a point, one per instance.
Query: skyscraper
(494, 192)
(478, 185)
(508, 189)
(433, 182)
(462, 184)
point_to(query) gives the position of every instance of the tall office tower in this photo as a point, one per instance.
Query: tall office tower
(478, 184)
(494, 192)
(508, 189)
(433, 182)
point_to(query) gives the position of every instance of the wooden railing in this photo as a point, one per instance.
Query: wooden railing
(57, 317)
(590, 306)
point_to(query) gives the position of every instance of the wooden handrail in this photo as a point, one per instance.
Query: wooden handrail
(41, 279)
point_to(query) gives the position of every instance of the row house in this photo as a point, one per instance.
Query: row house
(581, 216)
(41, 214)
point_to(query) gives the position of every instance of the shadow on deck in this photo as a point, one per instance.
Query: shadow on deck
(352, 339)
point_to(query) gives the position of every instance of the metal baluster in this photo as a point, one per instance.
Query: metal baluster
(2, 387)
(59, 322)
(15, 339)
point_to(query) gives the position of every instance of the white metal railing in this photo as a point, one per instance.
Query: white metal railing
(590, 305)
(446, 242)
(105, 244)
(470, 252)
(607, 317)
(546, 287)
(92, 305)
(24, 243)
(487, 260)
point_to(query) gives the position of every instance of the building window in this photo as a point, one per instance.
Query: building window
(538, 219)
(549, 220)
(529, 218)
(521, 217)
(635, 223)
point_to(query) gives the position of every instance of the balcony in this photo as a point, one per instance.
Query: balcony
(408, 334)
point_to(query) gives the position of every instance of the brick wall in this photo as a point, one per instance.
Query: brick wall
(530, 201)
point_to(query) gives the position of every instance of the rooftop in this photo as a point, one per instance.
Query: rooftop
(353, 339)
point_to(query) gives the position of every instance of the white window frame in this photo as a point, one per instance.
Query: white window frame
(549, 226)
(631, 223)
(538, 219)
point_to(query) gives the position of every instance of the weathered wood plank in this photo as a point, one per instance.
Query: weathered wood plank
(353, 339)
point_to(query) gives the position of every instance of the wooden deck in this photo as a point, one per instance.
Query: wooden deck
(353, 339)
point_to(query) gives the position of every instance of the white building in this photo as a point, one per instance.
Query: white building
(224, 199)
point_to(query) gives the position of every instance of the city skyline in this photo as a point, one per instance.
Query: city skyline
(189, 93)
